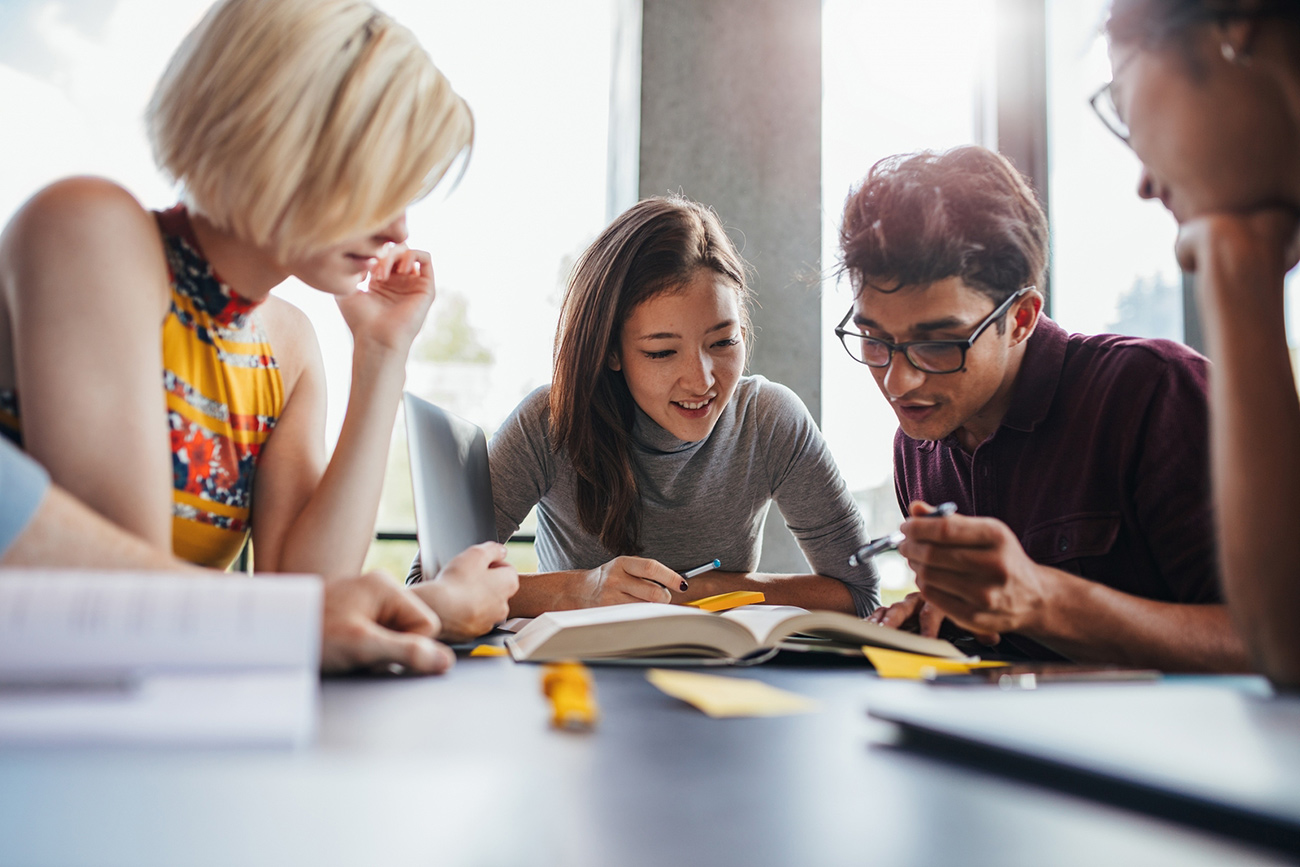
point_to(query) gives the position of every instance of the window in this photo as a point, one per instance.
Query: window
(1113, 266)
(897, 77)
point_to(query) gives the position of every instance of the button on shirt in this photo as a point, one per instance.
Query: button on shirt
(1100, 467)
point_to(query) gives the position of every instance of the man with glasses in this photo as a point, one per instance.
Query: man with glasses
(1078, 463)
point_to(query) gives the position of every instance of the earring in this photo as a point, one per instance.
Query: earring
(1232, 55)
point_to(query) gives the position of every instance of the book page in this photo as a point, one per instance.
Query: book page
(65, 625)
(763, 621)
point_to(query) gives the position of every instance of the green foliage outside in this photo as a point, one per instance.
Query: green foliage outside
(451, 338)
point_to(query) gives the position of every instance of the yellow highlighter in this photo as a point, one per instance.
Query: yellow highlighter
(573, 701)
(728, 601)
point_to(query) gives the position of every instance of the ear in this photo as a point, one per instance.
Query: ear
(1237, 39)
(614, 362)
(1024, 316)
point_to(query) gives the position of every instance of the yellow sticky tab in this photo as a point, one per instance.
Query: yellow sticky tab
(489, 650)
(728, 601)
(917, 666)
(573, 696)
(729, 696)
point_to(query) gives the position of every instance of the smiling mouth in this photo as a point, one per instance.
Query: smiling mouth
(694, 408)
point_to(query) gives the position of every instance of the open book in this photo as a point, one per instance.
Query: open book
(119, 657)
(652, 629)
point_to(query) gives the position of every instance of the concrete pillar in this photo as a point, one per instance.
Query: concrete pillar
(730, 115)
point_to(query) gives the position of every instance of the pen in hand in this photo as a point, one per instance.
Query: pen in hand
(691, 573)
(894, 539)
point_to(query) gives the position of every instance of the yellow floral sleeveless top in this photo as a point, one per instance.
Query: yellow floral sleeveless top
(224, 396)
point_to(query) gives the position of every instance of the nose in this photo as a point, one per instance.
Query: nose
(395, 232)
(697, 378)
(900, 377)
(1146, 185)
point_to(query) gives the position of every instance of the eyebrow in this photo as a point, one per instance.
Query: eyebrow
(948, 322)
(670, 335)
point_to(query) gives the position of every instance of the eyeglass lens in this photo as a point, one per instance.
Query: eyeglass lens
(930, 357)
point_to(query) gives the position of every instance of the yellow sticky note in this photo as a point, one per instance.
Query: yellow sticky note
(728, 601)
(489, 650)
(729, 696)
(916, 666)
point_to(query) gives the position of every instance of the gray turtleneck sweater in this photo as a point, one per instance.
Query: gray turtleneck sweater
(700, 500)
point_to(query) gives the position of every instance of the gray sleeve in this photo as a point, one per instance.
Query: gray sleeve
(521, 461)
(807, 485)
(23, 484)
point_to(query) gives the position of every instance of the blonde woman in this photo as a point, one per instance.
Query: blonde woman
(298, 131)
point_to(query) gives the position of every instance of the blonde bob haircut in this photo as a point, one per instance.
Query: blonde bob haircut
(296, 124)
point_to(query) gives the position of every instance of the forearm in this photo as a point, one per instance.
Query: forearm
(1253, 404)
(66, 534)
(1092, 623)
(332, 533)
(815, 592)
(540, 592)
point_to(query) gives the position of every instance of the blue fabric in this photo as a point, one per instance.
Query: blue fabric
(23, 484)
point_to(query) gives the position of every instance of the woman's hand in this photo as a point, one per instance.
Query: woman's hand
(1236, 251)
(392, 309)
(471, 593)
(626, 579)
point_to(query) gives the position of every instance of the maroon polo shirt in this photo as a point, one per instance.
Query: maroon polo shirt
(1100, 467)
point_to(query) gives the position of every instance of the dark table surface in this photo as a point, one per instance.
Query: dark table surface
(464, 769)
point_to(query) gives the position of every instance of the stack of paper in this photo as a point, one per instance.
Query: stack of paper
(112, 657)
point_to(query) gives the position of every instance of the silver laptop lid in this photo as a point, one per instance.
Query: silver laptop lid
(451, 483)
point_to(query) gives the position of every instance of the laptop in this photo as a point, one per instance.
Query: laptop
(451, 483)
(1218, 753)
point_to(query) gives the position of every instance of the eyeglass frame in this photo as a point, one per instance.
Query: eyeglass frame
(964, 345)
(1104, 91)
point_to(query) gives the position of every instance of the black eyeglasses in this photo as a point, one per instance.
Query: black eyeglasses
(1103, 103)
(929, 356)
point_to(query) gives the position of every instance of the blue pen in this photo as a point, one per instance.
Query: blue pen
(894, 539)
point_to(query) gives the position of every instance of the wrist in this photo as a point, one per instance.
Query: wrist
(1056, 604)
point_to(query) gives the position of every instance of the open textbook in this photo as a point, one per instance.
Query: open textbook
(652, 629)
(120, 657)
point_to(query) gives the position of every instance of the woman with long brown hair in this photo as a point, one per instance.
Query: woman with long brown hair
(651, 453)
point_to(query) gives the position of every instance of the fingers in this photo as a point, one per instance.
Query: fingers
(621, 588)
(417, 652)
(931, 619)
(954, 530)
(896, 615)
(403, 611)
(402, 261)
(484, 555)
(957, 609)
(651, 570)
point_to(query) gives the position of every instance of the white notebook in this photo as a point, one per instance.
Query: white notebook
(140, 658)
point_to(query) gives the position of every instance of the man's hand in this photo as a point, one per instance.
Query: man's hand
(370, 620)
(472, 593)
(974, 571)
(627, 579)
(914, 614)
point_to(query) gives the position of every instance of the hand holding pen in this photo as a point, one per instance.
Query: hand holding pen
(894, 539)
(632, 579)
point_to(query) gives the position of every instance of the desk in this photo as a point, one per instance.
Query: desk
(463, 769)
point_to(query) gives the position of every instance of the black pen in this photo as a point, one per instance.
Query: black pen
(894, 539)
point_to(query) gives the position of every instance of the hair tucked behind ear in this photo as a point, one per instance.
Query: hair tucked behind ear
(656, 246)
